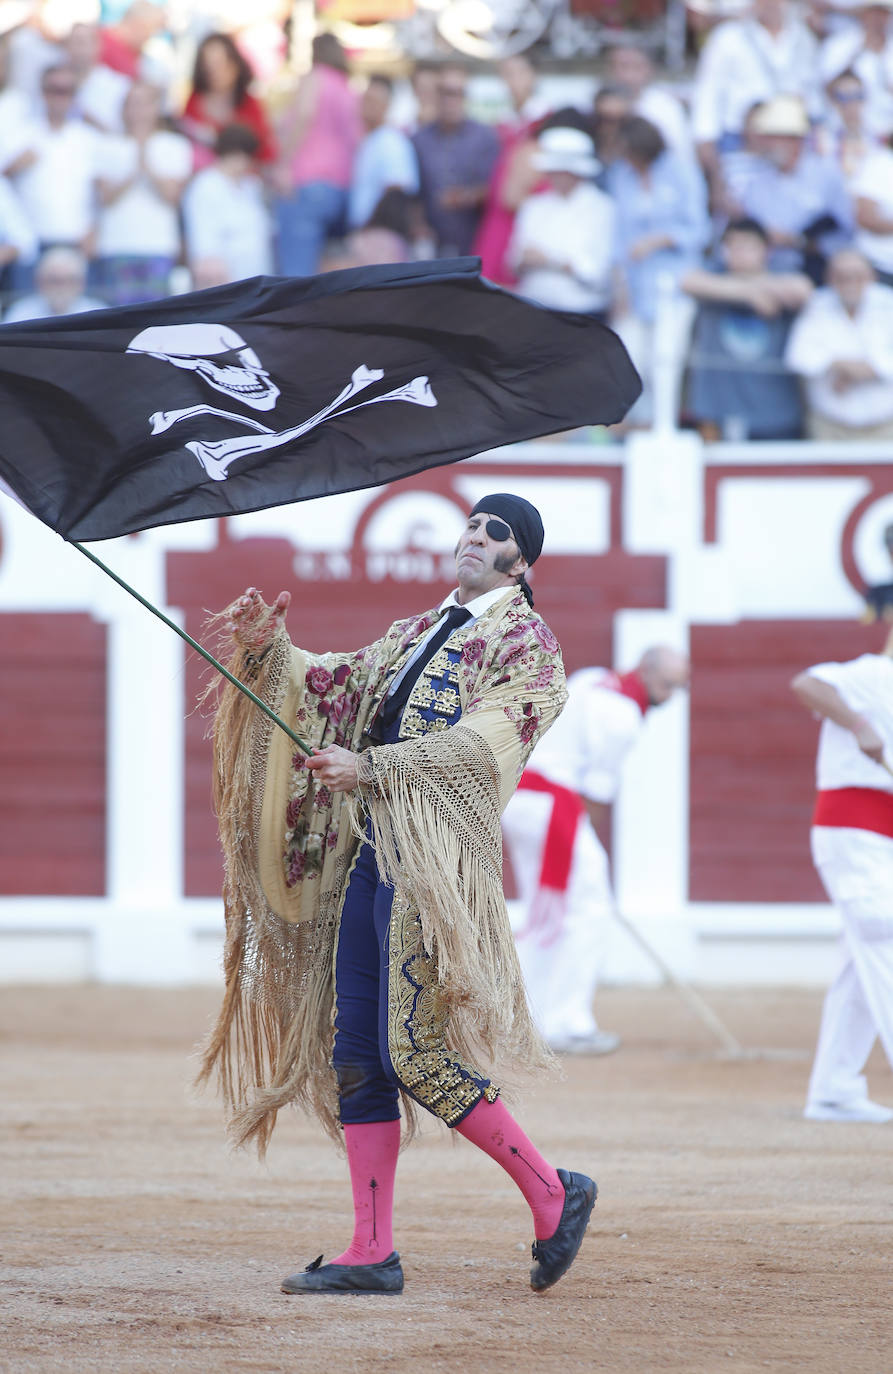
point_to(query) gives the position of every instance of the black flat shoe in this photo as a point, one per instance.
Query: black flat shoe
(384, 1277)
(553, 1257)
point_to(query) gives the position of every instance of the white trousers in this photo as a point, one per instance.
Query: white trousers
(856, 867)
(560, 950)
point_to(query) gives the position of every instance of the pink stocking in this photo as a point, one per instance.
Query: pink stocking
(372, 1151)
(491, 1127)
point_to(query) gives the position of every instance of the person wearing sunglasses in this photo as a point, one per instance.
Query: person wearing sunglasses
(369, 953)
(55, 165)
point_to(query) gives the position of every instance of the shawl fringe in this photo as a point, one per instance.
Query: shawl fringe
(267, 1045)
(434, 807)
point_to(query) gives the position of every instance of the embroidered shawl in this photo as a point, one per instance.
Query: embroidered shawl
(289, 843)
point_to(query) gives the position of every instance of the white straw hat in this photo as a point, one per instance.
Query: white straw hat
(783, 114)
(566, 150)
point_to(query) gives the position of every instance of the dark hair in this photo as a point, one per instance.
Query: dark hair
(244, 74)
(846, 75)
(641, 140)
(379, 79)
(236, 138)
(328, 52)
(568, 117)
(745, 225)
(392, 212)
(613, 90)
(54, 70)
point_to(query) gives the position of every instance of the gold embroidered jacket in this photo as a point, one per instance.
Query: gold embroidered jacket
(434, 800)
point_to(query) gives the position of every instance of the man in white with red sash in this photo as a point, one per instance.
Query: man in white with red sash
(560, 865)
(852, 847)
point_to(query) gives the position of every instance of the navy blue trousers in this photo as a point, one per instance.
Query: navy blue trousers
(366, 1079)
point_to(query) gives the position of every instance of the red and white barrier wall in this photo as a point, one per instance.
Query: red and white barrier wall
(751, 556)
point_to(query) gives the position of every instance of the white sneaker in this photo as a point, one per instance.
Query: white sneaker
(860, 1109)
(597, 1042)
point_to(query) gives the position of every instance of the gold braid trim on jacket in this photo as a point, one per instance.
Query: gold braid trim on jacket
(434, 807)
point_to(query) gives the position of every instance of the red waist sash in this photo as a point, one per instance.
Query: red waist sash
(856, 808)
(558, 849)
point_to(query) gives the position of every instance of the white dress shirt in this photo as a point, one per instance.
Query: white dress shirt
(58, 189)
(475, 607)
(825, 333)
(742, 63)
(578, 229)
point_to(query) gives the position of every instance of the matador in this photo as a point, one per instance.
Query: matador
(369, 959)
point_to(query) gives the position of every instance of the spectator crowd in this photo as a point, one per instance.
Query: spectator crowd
(736, 232)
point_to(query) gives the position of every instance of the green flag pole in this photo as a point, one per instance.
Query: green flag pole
(296, 739)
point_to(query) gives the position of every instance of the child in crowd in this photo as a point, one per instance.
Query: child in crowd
(738, 385)
(228, 229)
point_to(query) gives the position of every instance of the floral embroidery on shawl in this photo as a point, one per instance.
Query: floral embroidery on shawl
(272, 1043)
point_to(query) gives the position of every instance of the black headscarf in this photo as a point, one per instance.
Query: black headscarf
(526, 525)
(525, 520)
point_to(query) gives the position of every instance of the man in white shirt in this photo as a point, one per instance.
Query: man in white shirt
(562, 244)
(842, 345)
(385, 157)
(144, 174)
(746, 61)
(852, 848)
(55, 165)
(866, 48)
(560, 865)
(60, 279)
(101, 92)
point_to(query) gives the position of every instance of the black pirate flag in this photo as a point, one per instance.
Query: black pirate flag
(275, 390)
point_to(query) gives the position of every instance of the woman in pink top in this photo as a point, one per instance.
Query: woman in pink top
(320, 133)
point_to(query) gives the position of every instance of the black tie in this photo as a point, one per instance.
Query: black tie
(392, 706)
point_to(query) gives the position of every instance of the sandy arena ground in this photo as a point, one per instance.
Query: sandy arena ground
(730, 1234)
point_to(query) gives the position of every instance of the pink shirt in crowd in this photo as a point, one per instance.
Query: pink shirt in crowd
(326, 152)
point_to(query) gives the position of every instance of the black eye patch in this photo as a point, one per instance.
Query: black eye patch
(498, 531)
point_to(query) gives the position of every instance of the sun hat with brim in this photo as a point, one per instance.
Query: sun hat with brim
(784, 115)
(566, 150)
